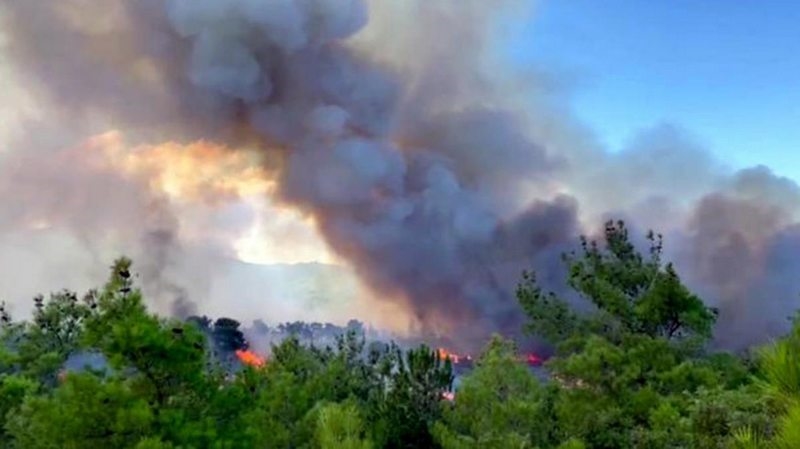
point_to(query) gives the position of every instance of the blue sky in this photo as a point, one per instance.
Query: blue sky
(728, 71)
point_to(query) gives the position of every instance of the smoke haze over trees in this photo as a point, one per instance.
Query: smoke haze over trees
(100, 370)
(278, 166)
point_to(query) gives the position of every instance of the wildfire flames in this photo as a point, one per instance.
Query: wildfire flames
(457, 359)
(250, 358)
(534, 360)
(454, 358)
(531, 358)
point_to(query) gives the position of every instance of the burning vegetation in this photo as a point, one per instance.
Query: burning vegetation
(467, 360)
(68, 374)
(386, 137)
(250, 358)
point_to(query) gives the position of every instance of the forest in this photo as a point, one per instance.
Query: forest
(635, 369)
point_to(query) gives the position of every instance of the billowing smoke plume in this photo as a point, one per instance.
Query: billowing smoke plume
(432, 171)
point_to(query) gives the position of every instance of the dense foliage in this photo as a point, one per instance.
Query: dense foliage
(631, 368)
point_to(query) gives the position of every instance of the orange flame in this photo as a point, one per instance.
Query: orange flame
(250, 358)
(530, 358)
(534, 360)
(455, 358)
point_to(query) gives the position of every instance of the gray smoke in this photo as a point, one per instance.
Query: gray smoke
(741, 250)
(438, 174)
(86, 360)
(64, 191)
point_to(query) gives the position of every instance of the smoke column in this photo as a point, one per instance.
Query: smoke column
(435, 172)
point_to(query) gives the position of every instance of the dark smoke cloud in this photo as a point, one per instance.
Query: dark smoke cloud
(741, 252)
(414, 152)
